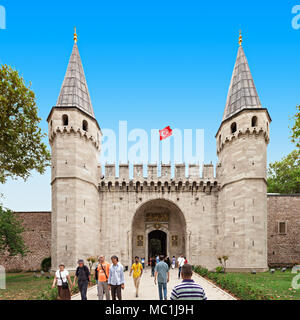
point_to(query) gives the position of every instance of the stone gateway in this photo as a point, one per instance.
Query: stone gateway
(202, 216)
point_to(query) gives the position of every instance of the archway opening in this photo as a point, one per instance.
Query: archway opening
(157, 243)
(158, 227)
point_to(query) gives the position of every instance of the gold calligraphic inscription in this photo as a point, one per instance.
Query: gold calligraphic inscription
(174, 241)
(140, 241)
(157, 217)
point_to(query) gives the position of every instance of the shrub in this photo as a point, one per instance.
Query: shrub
(219, 269)
(46, 264)
(228, 282)
(49, 294)
(52, 294)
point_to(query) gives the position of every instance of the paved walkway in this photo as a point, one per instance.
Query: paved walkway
(148, 291)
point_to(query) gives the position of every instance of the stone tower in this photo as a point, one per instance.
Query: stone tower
(242, 141)
(75, 139)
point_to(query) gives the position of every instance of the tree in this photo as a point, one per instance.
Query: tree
(296, 128)
(21, 146)
(11, 229)
(284, 175)
(223, 261)
(91, 261)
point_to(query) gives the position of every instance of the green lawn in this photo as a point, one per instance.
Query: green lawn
(265, 286)
(24, 286)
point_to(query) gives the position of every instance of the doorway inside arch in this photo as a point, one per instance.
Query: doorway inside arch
(157, 243)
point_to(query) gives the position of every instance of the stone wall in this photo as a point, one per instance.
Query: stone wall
(37, 236)
(283, 249)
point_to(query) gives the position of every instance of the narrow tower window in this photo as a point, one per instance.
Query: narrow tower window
(65, 120)
(282, 228)
(254, 122)
(85, 126)
(233, 127)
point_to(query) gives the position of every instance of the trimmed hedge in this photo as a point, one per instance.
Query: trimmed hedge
(227, 281)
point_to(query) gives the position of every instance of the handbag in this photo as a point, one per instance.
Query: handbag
(65, 284)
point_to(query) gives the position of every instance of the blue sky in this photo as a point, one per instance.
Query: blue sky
(153, 63)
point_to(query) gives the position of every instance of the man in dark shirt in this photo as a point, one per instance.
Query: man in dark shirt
(84, 277)
(153, 264)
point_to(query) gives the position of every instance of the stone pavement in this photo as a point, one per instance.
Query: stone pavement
(148, 291)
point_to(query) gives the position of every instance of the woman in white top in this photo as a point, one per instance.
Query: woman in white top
(63, 280)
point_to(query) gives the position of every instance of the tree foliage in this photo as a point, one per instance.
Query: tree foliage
(296, 128)
(284, 175)
(11, 229)
(21, 146)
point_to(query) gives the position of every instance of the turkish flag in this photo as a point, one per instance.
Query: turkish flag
(165, 133)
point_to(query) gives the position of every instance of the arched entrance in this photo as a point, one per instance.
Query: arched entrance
(157, 243)
(158, 225)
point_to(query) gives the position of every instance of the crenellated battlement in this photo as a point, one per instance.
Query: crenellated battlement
(70, 130)
(242, 133)
(163, 183)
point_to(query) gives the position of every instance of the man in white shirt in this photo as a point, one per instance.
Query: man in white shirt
(116, 278)
(180, 262)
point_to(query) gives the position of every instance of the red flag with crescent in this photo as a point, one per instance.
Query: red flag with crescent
(165, 133)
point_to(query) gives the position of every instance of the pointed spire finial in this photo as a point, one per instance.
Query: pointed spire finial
(240, 38)
(75, 35)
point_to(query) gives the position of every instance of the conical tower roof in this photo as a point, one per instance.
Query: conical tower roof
(242, 93)
(74, 91)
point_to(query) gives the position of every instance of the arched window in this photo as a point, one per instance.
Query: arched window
(254, 121)
(220, 140)
(233, 127)
(65, 120)
(85, 126)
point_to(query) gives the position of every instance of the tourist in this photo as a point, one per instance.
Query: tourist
(157, 259)
(62, 279)
(185, 260)
(173, 262)
(84, 278)
(102, 274)
(137, 269)
(143, 263)
(168, 262)
(116, 278)
(162, 277)
(153, 264)
(180, 262)
(188, 289)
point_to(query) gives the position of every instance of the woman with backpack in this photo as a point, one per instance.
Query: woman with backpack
(63, 280)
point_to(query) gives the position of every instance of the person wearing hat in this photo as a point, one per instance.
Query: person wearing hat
(62, 279)
(83, 276)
